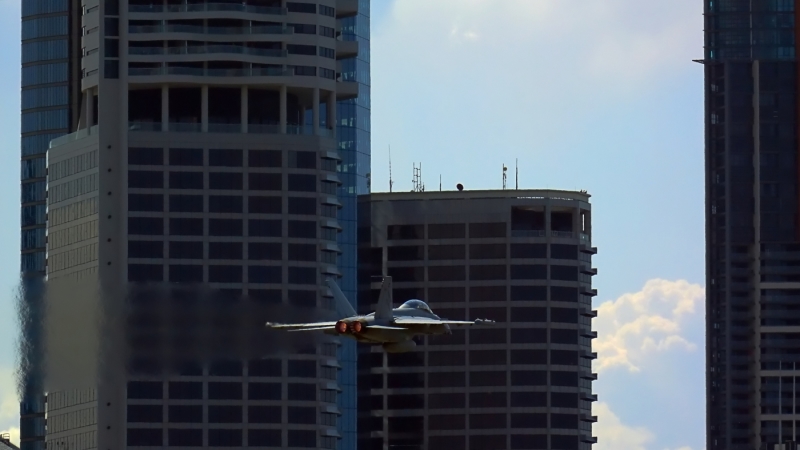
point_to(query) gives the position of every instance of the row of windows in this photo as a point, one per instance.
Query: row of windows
(488, 294)
(44, 97)
(44, 27)
(495, 421)
(72, 235)
(44, 50)
(476, 400)
(155, 226)
(221, 157)
(73, 165)
(224, 274)
(222, 204)
(256, 251)
(193, 390)
(303, 415)
(222, 180)
(73, 211)
(486, 358)
(32, 239)
(476, 379)
(447, 231)
(484, 273)
(35, 191)
(72, 397)
(44, 73)
(32, 7)
(71, 420)
(480, 251)
(154, 437)
(72, 258)
(527, 335)
(514, 442)
(72, 189)
(38, 144)
(44, 120)
(33, 168)
(32, 215)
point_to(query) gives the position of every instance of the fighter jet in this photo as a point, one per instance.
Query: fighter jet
(393, 328)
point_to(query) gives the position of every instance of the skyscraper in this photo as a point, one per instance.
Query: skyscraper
(520, 257)
(752, 227)
(220, 143)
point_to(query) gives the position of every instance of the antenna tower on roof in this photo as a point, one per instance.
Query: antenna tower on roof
(390, 169)
(516, 176)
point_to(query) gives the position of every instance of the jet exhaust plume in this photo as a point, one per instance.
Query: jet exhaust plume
(74, 334)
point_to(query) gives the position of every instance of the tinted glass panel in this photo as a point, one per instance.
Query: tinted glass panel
(264, 205)
(226, 181)
(186, 180)
(145, 226)
(440, 252)
(145, 249)
(145, 156)
(265, 181)
(447, 231)
(186, 227)
(146, 202)
(225, 227)
(225, 204)
(185, 250)
(185, 157)
(186, 203)
(264, 391)
(264, 158)
(273, 228)
(145, 179)
(226, 158)
(528, 251)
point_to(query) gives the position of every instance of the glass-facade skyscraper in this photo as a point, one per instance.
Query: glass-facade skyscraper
(752, 227)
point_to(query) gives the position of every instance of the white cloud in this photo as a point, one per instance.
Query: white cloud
(612, 434)
(638, 325)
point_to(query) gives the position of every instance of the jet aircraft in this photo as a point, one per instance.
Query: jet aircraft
(393, 328)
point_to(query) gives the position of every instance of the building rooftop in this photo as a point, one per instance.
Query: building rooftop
(480, 194)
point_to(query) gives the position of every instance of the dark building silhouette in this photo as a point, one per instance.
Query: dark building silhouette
(522, 258)
(752, 227)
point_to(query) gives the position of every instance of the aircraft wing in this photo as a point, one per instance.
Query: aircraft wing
(301, 326)
(430, 321)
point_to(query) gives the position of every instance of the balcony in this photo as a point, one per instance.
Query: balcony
(207, 7)
(589, 292)
(253, 128)
(588, 418)
(588, 249)
(528, 233)
(588, 439)
(80, 134)
(199, 29)
(588, 270)
(589, 334)
(562, 234)
(586, 312)
(589, 397)
(208, 50)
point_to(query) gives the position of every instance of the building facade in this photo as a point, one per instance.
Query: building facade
(209, 151)
(752, 227)
(521, 258)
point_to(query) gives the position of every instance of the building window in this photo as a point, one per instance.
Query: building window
(528, 314)
(487, 358)
(327, 31)
(148, 179)
(309, 8)
(186, 180)
(145, 413)
(145, 156)
(145, 202)
(224, 391)
(302, 391)
(185, 438)
(302, 160)
(302, 206)
(560, 378)
(185, 414)
(302, 415)
(327, 11)
(563, 251)
(487, 251)
(529, 272)
(264, 158)
(225, 158)
(271, 228)
(225, 204)
(225, 250)
(445, 252)
(563, 336)
(564, 315)
(143, 273)
(226, 181)
(529, 420)
(447, 358)
(145, 437)
(225, 227)
(224, 438)
(483, 379)
(564, 273)
(488, 336)
(302, 252)
(261, 251)
(264, 391)
(563, 294)
(526, 357)
(302, 183)
(530, 400)
(186, 227)
(186, 203)
(398, 232)
(185, 250)
(528, 335)
(528, 293)
(265, 274)
(407, 274)
(487, 273)
(185, 390)
(447, 231)
(528, 251)
(265, 181)
(264, 205)
(264, 414)
(302, 275)
(563, 357)
(185, 157)
(528, 378)
(185, 274)
(302, 439)
(225, 274)
(264, 368)
(447, 422)
(442, 294)
(264, 438)
(445, 401)
(487, 294)
(145, 249)
(487, 230)
(445, 379)
(224, 414)
(446, 273)
(529, 441)
(563, 400)
(145, 390)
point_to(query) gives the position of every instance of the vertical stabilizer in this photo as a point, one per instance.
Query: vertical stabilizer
(343, 307)
(385, 307)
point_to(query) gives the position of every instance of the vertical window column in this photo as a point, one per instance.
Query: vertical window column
(315, 105)
(283, 103)
(89, 97)
(204, 108)
(332, 111)
(165, 108)
(245, 118)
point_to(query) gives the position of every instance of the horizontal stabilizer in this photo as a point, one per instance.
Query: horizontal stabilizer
(384, 327)
(311, 329)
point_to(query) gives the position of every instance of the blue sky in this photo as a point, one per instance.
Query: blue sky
(601, 96)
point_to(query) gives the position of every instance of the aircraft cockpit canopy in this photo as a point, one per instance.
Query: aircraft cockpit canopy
(416, 304)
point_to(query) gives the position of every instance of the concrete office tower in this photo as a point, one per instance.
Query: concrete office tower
(206, 151)
(752, 227)
(520, 257)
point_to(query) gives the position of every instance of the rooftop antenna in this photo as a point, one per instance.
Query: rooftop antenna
(504, 176)
(390, 169)
(440, 182)
(516, 176)
(417, 179)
